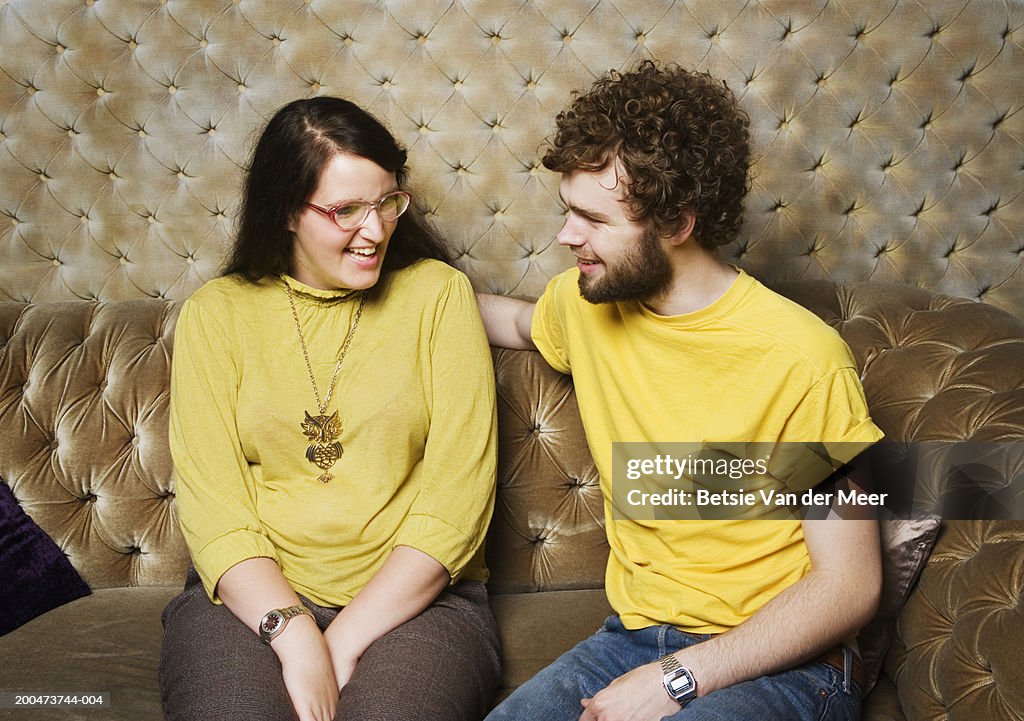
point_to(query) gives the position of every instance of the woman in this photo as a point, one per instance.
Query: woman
(333, 436)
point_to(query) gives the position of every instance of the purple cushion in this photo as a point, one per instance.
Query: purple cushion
(36, 574)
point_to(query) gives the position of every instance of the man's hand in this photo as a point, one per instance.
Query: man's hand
(307, 671)
(635, 696)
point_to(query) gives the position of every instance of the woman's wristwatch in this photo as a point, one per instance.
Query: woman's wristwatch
(273, 622)
(678, 680)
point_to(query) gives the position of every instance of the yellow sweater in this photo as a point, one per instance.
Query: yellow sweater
(753, 367)
(416, 400)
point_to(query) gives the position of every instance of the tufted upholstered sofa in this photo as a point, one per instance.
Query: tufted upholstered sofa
(889, 147)
(83, 416)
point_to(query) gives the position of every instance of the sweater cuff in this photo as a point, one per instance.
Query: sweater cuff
(440, 540)
(220, 554)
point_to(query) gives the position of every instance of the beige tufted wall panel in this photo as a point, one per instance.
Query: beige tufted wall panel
(889, 137)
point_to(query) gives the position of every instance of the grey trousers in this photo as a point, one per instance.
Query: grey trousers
(443, 665)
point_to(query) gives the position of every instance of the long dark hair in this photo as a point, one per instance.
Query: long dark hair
(284, 172)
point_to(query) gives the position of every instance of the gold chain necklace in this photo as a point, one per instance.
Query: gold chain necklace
(322, 430)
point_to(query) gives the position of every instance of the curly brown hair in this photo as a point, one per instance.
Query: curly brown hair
(681, 138)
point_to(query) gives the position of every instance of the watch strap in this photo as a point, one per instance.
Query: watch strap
(669, 663)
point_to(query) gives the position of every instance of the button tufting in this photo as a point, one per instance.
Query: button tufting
(904, 70)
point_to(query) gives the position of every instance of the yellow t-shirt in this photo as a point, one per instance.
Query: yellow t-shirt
(753, 367)
(417, 405)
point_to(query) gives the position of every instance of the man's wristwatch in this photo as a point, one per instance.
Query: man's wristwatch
(273, 622)
(678, 680)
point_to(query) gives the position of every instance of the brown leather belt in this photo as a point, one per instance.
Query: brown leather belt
(834, 658)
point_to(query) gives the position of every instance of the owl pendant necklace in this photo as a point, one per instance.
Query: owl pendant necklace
(321, 430)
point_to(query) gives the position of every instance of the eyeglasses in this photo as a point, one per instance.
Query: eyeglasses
(353, 213)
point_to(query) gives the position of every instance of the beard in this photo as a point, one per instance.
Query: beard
(639, 274)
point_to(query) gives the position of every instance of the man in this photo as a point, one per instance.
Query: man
(715, 619)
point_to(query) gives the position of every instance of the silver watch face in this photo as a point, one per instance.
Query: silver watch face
(680, 685)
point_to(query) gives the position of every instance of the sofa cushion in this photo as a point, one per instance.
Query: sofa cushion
(536, 628)
(906, 545)
(36, 574)
(108, 642)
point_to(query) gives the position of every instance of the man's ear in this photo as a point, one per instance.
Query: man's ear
(687, 222)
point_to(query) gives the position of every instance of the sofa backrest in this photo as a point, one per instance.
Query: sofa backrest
(887, 135)
(83, 434)
(944, 378)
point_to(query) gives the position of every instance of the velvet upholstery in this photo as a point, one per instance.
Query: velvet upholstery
(887, 135)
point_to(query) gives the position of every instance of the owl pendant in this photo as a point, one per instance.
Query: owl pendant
(325, 449)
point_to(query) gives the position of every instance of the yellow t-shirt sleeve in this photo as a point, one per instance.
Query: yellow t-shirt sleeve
(830, 427)
(214, 487)
(449, 518)
(548, 326)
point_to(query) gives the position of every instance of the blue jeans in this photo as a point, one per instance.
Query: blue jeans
(811, 692)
